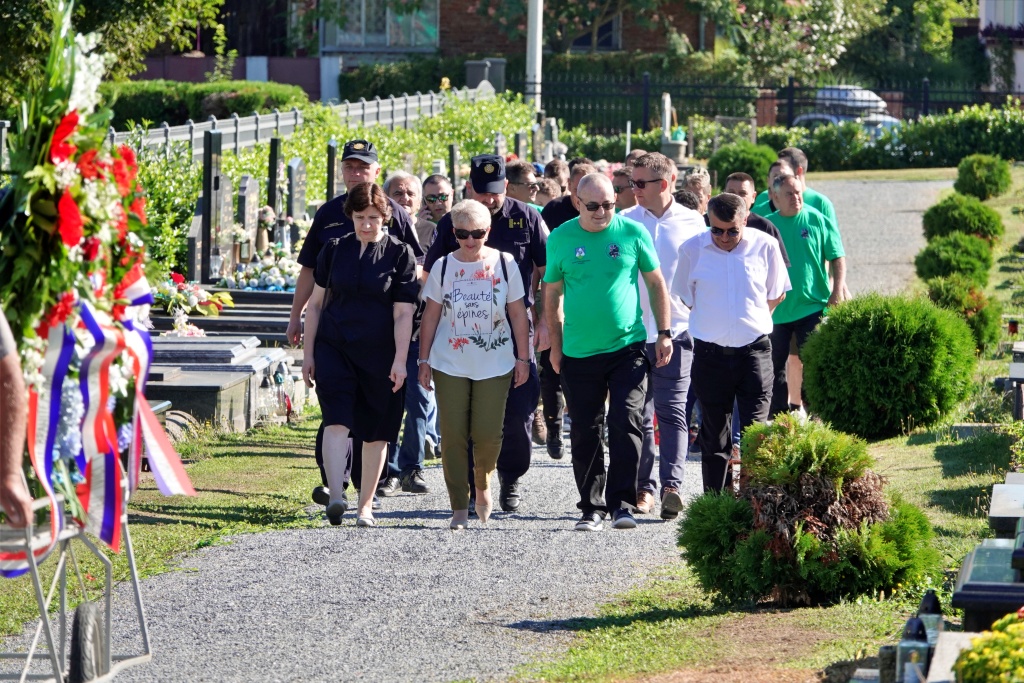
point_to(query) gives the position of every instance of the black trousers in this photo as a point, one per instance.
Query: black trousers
(551, 396)
(781, 336)
(621, 375)
(719, 376)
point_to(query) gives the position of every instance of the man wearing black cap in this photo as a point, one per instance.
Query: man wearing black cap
(517, 230)
(359, 164)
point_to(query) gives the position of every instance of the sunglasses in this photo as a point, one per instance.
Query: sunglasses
(466, 234)
(619, 189)
(643, 183)
(435, 198)
(594, 206)
(718, 232)
(529, 186)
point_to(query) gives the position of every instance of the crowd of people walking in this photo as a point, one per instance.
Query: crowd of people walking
(657, 317)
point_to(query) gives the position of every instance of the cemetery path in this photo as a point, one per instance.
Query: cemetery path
(407, 600)
(881, 226)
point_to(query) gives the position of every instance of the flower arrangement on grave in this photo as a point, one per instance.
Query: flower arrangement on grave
(810, 523)
(277, 271)
(177, 297)
(73, 235)
(996, 654)
(238, 234)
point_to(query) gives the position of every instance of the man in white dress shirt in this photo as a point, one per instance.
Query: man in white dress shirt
(670, 224)
(731, 279)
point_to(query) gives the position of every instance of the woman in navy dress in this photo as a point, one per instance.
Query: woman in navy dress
(358, 325)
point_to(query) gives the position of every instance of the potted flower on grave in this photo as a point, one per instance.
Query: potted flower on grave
(73, 266)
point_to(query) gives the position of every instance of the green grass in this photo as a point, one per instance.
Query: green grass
(886, 174)
(246, 483)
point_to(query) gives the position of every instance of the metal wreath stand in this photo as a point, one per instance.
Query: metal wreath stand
(90, 658)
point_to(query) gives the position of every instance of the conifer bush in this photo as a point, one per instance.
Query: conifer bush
(958, 294)
(962, 213)
(883, 365)
(810, 524)
(982, 175)
(955, 253)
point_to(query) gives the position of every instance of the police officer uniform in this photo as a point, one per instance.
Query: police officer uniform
(517, 230)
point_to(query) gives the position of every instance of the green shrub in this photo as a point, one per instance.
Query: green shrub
(958, 294)
(962, 213)
(420, 74)
(955, 253)
(835, 148)
(983, 176)
(609, 147)
(746, 157)
(882, 365)
(806, 529)
(780, 137)
(175, 101)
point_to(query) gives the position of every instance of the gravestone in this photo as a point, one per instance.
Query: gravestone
(538, 144)
(226, 221)
(500, 145)
(194, 246)
(520, 146)
(335, 184)
(248, 213)
(275, 173)
(297, 189)
(453, 165)
(211, 213)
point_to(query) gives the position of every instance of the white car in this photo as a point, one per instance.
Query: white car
(873, 123)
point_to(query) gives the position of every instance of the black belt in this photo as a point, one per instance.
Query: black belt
(762, 343)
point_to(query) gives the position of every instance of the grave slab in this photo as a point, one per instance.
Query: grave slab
(1006, 508)
(988, 587)
(1015, 478)
(947, 649)
(220, 398)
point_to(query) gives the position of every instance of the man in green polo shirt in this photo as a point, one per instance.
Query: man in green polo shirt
(811, 244)
(594, 263)
(796, 161)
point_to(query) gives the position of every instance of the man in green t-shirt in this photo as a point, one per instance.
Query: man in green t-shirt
(594, 264)
(811, 244)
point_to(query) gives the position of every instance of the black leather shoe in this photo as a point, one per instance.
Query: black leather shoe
(413, 483)
(335, 510)
(322, 496)
(509, 495)
(376, 504)
(389, 487)
(556, 448)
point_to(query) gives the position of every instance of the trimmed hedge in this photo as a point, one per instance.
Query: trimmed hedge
(883, 365)
(176, 101)
(983, 176)
(956, 252)
(964, 214)
(746, 157)
(958, 294)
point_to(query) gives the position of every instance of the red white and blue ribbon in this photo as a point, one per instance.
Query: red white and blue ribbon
(44, 411)
(100, 494)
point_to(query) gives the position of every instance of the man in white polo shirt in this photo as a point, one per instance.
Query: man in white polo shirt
(731, 279)
(670, 224)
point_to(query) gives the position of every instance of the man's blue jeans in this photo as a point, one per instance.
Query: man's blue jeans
(666, 397)
(420, 409)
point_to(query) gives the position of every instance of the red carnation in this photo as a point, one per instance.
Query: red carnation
(177, 278)
(123, 177)
(128, 154)
(138, 207)
(88, 167)
(69, 220)
(61, 310)
(122, 222)
(60, 148)
(91, 249)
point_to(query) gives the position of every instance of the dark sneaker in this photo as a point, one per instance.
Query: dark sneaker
(556, 448)
(335, 510)
(389, 487)
(671, 503)
(376, 504)
(413, 483)
(509, 495)
(322, 496)
(623, 519)
(590, 521)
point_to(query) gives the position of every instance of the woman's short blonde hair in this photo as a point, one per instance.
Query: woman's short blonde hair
(470, 215)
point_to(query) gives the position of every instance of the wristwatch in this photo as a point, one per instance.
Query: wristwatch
(524, 361)
(421, 361)
(666, 333)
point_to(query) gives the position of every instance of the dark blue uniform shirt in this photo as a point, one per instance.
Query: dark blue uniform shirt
(330, 221)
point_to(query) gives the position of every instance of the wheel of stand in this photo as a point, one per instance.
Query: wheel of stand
(88, 643)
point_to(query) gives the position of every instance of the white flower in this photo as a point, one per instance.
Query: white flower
(65, 174)
(89, 70)
(193, 301)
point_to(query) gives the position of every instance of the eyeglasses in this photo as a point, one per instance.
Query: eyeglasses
(619, 189)
(466, 234)
(718, 232)
(594, 206)
(404, 193)
(528, 186)
(643, 183)
(435, 198)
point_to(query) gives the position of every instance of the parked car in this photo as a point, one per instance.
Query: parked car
(874, 123)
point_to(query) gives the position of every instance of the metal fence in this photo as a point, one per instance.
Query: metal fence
(605, 103)
(239, 133)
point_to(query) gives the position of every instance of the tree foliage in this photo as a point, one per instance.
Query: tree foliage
(129, 28)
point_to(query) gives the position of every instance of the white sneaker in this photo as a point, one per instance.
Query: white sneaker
(800, 414)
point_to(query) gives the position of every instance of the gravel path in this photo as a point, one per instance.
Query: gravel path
(881, 227)
(410, 600)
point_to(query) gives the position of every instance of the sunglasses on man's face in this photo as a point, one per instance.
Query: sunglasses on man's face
(619, 189)
(466, 234)
(594, 206)
(643, 183)
(435, 198)
(528, 186)
(718, 232)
